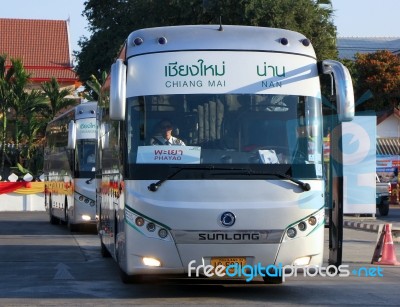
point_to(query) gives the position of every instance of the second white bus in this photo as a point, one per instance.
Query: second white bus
(69, 166)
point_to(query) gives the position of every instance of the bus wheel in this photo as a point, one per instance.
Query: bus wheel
(52, 219)
(130, 279)
(65, 221)
(72, 227)
(273, 280)
(104, 251)
(384, 207)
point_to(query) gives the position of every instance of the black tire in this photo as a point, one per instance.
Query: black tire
(52, 219)
(384, 207)
(104, 251)
(273, 280)
(65, 221)
(72, 227)
(130, 279)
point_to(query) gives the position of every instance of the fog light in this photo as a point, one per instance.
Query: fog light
(302, 226)
(86, 217)
(163, 233)
(302, 261)
(139, 221)
(291, 232)
(312, 220)
(149, 261)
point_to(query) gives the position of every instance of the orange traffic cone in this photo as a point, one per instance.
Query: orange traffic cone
(385, 253)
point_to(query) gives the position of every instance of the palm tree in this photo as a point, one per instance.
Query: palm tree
(18, 97)
(6, 93)
(57, 97)
(33, 110)
(98, 93)
(27, 105)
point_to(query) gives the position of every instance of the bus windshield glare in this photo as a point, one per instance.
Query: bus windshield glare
(247, 130)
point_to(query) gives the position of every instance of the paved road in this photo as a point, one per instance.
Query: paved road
(43, 264)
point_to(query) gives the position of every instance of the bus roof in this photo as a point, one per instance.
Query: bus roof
(82, 110)
(216, 37)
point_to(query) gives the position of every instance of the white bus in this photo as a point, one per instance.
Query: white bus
(69, 166)
(247, 186)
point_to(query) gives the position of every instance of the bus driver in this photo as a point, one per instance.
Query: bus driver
(164, 136)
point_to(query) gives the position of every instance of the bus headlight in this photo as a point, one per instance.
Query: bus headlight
(312, 220)
(302, 226)
(147, 227)
(151, 227)
(291, 232)
(139, 221)
(305, 226)
(163, 233)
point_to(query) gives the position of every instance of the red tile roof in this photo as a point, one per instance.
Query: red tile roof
(42, 45)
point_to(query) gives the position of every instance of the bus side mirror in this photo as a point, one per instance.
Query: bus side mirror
(71, 135)
(118, 90)
(343, 88)
(104, 136)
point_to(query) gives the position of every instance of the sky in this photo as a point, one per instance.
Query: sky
(360, 18)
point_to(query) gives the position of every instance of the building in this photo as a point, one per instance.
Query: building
(388, 142)
(349, 46)
(44, 49)
(43, 46)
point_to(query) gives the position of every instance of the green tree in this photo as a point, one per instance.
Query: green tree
(96, 90)
(32, 123)
(6, 77)
(379, 74)
(112, 21)
(18, 97)
(21, 107)
(57, 97)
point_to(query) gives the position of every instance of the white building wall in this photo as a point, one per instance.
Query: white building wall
(389, 128)
(22, 202)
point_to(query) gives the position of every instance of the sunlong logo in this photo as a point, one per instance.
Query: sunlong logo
(220, 236)
(227, 219)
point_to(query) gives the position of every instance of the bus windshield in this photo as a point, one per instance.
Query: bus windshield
(85, 157)
(245, 130)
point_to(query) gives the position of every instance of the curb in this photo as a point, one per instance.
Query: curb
(362, 226)
(365, 226)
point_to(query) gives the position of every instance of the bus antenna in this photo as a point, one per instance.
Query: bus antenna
(220, 24)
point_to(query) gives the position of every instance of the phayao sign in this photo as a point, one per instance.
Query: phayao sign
(162, 154)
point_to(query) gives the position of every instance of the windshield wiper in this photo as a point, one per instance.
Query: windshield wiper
(89, 180)
(153, 187)
(303, 185)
